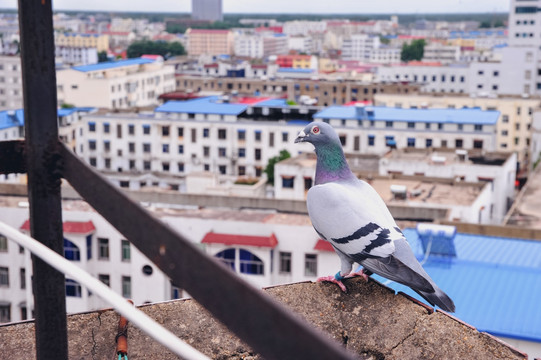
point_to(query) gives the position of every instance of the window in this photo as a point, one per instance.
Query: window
(411, 125)
(505, 118)
(5, 313)
(107, 145)
(310, 265)
(4, 276)
(181, 149)
(222, 169)
(106, 128)
(242, 152)
(165, 130)
(92, 127)
(257, 135)
(241, 135)
(92, 144)
(92, 161)
(371, 140)
(389, 124)
(180, 131)
(478, 127)
(194, 135)
(104, 278)
(165, 166)
(518, 110)
(146, 165)
(206, 132)
(222, 134)
(242, 170)
(146, 147)
(3, 243)
(103, 248)
(285, 136)
(440, 126)
(504, 133)
(147, 270)
(428, 143)
(126, 286)
(343, 139)
(250, 263)
(73, 288)
(222, 152)
(458, 143)
(22, 278)
(146, 129)
(460, 126)
(71, 251)
(307, 183)
(288, 182)
(411, 142)
(257, 154)
(165, 148)
(356, 143)
(477, 144)
(206, 151)
(131, 147)
(525, 10)
(227, 257)
(132, 164)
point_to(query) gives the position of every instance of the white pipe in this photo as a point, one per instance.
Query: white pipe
(137, 317)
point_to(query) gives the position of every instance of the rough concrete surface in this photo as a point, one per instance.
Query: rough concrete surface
(369, 320)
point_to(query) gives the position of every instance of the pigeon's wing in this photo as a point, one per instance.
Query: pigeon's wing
(354, 220)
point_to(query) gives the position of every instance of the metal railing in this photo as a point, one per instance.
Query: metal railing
(269, 328)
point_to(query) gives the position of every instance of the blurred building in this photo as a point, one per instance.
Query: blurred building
(210, 10)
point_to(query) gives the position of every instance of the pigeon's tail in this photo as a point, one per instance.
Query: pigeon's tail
(438, 298)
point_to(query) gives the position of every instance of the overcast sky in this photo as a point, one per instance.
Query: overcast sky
(288, 6)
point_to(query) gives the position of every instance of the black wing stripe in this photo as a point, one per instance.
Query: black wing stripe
(362, 232)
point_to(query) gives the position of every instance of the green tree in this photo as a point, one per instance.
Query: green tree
(269, 169)
(102, 56)
(384, 40)
(413, 51)
(142, 47)
(485, 24)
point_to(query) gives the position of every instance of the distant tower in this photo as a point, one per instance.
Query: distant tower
(209, 10)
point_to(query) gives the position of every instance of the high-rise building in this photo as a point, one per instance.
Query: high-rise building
(210, 10)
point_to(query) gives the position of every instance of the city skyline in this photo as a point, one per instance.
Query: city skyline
(284, 6)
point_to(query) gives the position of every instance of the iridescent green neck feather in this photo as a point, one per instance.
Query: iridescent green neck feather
(331, 164)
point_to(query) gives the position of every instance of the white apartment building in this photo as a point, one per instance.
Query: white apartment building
(496, 169)
(374, 130)
(445, 54)
(261, 250)
(209, 10)
(385, 55)
(513, 129)
(535, 149)
(276, 44)
(76, 55)
(302, 27)
(115, 85)
(301, 44)
(11, 82)
(249, 45)
(434, 78)
(359, 47)
(461, 201)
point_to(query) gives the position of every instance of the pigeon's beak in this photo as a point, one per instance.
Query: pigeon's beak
(301, 137)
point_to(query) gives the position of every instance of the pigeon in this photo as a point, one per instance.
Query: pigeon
(349, 214)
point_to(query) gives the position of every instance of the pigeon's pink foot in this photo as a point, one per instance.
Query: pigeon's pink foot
(335, 280)
(358, 273)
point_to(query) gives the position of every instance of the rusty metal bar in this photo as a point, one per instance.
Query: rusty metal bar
(41, 128)
(12, 157)
(269, 328)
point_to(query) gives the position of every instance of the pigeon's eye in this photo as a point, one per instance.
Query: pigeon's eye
(315, 130)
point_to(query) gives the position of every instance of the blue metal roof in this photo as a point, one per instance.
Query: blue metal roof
(208, 105)
(69, 111)
(112, 64)
(13, 118)
(456, 116)
(295, 70)
(273, 103)
(495, 282)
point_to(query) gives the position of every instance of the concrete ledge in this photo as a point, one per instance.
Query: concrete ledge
(370, 320)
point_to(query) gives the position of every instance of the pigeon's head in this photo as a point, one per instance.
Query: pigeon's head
(318, 133)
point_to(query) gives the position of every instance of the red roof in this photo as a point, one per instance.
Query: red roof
(69, 227)
(230, 239)
(251, 100)
(353, 103)
(323, 245)
(210, 65)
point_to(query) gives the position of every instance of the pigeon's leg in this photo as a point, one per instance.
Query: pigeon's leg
(337, 279)
(363, 273)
